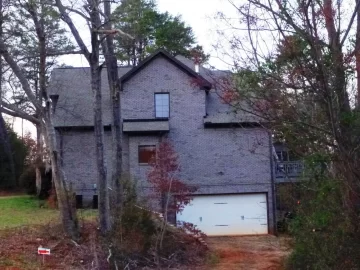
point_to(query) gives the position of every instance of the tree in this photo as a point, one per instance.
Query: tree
(98, 20)
(40, 110)
(151, 30)
(7, 152)
(15, 162)
(26, 50)
(172, 192)
(93, 18)
(296, 68)
(113, 79)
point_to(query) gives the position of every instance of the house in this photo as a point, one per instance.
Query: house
(226, 155)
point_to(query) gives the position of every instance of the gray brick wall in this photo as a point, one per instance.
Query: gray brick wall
(217, 161)
(79, 163)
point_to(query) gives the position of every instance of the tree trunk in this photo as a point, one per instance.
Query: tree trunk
(102, 181)
(93, 60)
(39, 160)
(113, 78)
(357, 56)
(65, 200)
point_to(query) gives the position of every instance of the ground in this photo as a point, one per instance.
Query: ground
(26, 223)
(248, 252)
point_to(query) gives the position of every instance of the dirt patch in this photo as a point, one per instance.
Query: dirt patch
(18, 249)
(249, 252)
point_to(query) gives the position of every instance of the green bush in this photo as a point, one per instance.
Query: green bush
(28, 181)
(19, 152)
(133, 230)
(324, 237)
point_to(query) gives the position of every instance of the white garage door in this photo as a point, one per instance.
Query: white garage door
(228, 214)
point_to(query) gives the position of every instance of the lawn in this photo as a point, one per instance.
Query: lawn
(17, 211)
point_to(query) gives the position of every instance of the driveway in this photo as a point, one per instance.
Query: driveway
(249, 252)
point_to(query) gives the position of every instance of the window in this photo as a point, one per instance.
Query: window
(162, 105)
(146, 153)
(282, 155)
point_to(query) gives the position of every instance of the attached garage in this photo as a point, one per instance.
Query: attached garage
(237, 214)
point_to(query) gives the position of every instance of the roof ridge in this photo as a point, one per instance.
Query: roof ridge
(89, 67)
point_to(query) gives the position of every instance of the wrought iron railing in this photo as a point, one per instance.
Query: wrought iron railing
(289, 169)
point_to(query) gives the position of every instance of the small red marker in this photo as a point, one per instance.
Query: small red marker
(43, 251)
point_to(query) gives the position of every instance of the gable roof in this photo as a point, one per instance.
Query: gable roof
(203, 83)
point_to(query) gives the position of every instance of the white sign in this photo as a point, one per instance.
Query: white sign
(43, 251)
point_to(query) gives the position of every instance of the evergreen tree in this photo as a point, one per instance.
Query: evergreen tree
(152, 30)
(19, 153)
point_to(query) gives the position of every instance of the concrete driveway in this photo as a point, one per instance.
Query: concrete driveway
(249, 252)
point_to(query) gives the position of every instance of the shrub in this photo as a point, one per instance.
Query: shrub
(19, 150)
(28, 181)
(135, 236)
(324, 236)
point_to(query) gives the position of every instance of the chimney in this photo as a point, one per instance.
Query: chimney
(197, 67)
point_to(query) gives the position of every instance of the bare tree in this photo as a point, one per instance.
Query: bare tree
(4, 140)
(99, 24)
(297, 69)
(43, 116)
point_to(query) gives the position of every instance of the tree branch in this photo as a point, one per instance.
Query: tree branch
(63, 53)
(350, 23)
(114, 32)
(66, 18)
(77, 12)
(20, 114)
(19, 74)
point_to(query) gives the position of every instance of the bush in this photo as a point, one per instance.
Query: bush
(19, 152)
(134, 239)
(28, 181)
(323, 234)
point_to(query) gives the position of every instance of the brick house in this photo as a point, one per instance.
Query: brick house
(226, 155)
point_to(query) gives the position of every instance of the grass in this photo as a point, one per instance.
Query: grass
(17, 211)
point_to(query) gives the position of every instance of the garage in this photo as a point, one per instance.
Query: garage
(237, 214)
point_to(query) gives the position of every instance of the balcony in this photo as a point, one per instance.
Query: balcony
(288, 170)
(145, 126)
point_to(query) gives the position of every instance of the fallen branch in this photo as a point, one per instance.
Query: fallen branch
(114, 32)
(76, 244)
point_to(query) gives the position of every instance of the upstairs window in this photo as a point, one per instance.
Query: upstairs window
(146, 153)
(162, 105)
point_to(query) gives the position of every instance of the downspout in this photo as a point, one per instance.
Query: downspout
(273, 187)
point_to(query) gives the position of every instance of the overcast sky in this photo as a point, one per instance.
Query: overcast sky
(199, 14)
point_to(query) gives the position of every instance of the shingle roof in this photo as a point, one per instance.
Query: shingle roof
(74, 106)
(204, 83)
